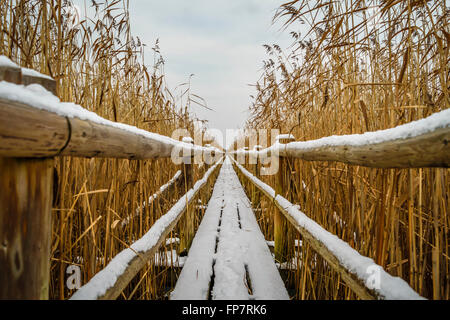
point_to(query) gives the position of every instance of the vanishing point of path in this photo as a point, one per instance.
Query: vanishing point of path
(229, 257)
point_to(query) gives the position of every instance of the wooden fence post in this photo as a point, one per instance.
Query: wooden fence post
(26, 193)
(281, 247)
(246, 156)
(256, 197)
(26, 196)
(187, 223)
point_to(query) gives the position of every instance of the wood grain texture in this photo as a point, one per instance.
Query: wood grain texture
(25, 227)
(30, 132)
(89, 139)
(17, 76)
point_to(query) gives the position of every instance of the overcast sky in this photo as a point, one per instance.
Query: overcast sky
(220, 42)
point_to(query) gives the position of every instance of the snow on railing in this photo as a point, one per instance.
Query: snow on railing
(35, 123)
(35, 127)
(110, 282)
(421, 143)
(366, 278)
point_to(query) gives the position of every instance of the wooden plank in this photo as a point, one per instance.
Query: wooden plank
(141, 260)
(11, 74)
(244, 267)
(25, 227)
(198, 268)
(26, 131)
(229, 257)
(26, 196)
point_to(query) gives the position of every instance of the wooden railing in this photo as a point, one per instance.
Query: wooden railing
(423, 143)
(110, 282)
(163, 192)
(29, 132)
(353, 268)
(419, 144)
(35, 127)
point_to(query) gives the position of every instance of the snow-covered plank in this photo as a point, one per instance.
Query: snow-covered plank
(34, 74)
(110, 282)
(366, 278)
(229, 258)
(264, 278)
(194, 280)
(30, 76)
(421, 143)
(11, 72)
(229, 268)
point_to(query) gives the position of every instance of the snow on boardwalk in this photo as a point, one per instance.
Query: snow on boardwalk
(229, 257)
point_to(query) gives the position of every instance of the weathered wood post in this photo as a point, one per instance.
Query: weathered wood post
(256, 172)
(281, 247)
(246, 156)
(26, 193)
(26, 187)
(187, 223)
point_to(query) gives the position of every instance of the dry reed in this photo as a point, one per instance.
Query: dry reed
(99, 64)
(362, 65)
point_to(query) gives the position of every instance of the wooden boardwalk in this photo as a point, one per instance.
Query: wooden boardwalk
(229, 257)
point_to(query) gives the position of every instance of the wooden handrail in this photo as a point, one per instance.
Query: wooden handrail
(325, 244)
(112, 280)
(28, 132)
(35, 127)
(401, 147)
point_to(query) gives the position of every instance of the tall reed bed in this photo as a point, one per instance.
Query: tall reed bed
(98, 64)
(356, 66)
